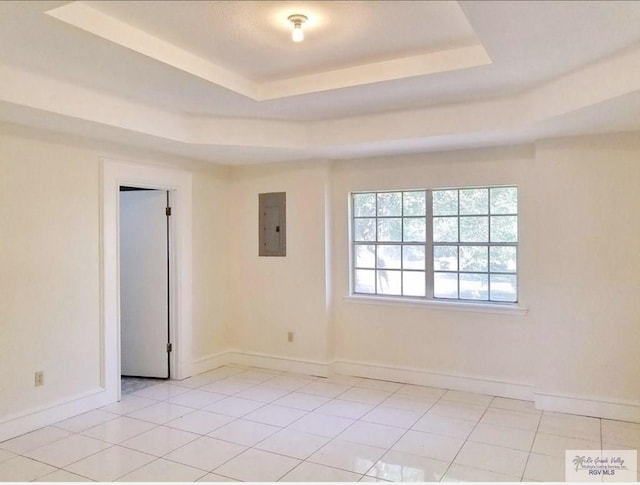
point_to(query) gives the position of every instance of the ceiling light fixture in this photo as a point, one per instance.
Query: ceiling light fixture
(297, 20)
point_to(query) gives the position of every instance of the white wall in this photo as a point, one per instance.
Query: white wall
(275, 295)
(50, 263)
(587, 305)
(579, 271)
(453, 343)
(211, 245)
(576, 349)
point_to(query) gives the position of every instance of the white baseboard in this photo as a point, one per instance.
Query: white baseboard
(18, 424)
(434, 379)
(595, 406)
(371, 371)
(276, 362)
(209, 363)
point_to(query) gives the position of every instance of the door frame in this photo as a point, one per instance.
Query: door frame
(115, 174)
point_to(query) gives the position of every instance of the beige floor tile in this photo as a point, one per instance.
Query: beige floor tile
(257, 466)
(621, 433)
(493, 458)
(85, 421)
(352, 457)
(313, 472)
(242, 432)
(295, 444)
(119, 430)
(300, 400)
(62, 476)
(396, 466)
(570, 425)
(455, 428)
(545, 468)
(110, 464)
(322, 424)
(511, 419)
(345, 409)
(67, 450)
(461, 473)
(275, 415)
(457, 410)
(164, 471)
(22, 469)
(519, 439)
(430, 445)
(401, 418)
(554, 445)
(34, 439)
(159, 441)
(205, 453)
(372, 434)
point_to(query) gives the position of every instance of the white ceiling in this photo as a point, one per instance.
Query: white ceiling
(223, 82)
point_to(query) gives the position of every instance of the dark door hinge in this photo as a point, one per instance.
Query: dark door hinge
(168, 211)
(169, 347)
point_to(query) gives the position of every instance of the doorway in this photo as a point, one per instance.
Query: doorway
(145, 333)
(179, 184)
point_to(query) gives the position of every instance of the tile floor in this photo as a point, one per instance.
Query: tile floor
(248, 424)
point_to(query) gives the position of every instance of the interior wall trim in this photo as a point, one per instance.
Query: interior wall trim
(596, 406)
(421, 377)
(35, 418)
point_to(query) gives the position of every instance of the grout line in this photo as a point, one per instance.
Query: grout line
(466, 440)
(533, 442)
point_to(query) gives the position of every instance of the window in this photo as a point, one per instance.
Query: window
(445, 244)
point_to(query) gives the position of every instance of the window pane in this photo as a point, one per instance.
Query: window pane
(445, 202)
(390, 229)
(415, 229)
(474, 201)
(445, 258)
(504, 200)
(364, 205)
(474, 286)
(389, 282)
(504, 287)
(503, 259)
(413, 283)
(414, 203)
(364, 229)
(365, 281)
(389, 256)
(445, 285)
(473, 258)
(413, 257)
(365, 256)
(445, 229)
(474, 229)
(504, 228)
(390, 204)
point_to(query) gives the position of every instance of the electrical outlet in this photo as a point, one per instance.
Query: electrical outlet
(39, 378)
(289, 336)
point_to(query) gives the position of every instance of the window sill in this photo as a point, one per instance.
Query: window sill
(456, 306)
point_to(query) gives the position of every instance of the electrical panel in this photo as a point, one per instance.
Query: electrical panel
(273, 224)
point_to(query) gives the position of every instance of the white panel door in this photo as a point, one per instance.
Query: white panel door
(144, 289)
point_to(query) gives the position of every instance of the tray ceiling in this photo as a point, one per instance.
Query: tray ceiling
(222, 81)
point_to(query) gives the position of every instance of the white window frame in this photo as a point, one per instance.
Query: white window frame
(429, 299)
